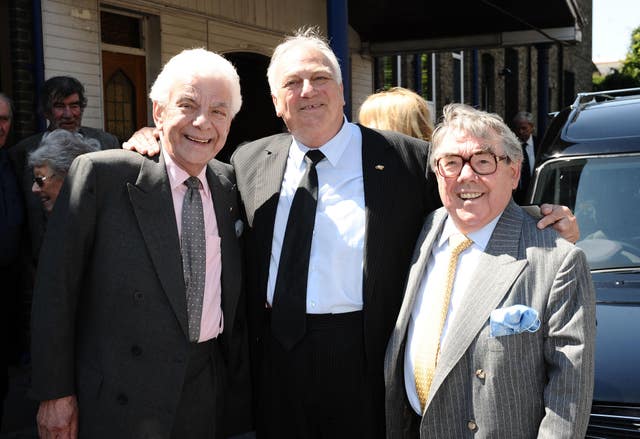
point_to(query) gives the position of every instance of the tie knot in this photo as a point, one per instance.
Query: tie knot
(459, 243)
(192, 183)
(313, 156)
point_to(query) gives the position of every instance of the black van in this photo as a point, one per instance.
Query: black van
(589, 160)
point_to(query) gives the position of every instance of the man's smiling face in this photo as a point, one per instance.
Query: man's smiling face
(473, 200)
(195, 122)
(308, 97)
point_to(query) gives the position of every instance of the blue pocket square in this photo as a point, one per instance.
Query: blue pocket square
(513, 320)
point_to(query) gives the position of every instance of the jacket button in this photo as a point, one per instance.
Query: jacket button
(480, 374)
(122, 399)
(138, 296)
(471, 425)
(136, 350)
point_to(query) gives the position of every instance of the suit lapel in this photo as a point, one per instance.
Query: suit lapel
(498, 268)
(271, 167)
(378, 174)
(223, 202)
(153, 206)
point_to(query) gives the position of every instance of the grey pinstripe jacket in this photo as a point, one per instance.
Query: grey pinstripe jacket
(526, 385)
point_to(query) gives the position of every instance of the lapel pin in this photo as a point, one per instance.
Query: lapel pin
(380, 167)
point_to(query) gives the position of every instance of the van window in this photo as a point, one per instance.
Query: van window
(604, 193)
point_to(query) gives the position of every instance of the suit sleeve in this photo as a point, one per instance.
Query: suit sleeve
(569, 350)
(64, 256)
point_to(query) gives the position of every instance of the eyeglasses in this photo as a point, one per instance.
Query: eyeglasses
(482, 163)
(40, 180)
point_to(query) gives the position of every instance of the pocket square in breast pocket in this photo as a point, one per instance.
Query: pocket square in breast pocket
(513, 320)
(239, 228)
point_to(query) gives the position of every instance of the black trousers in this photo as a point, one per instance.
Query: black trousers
(199, 411)
(319, 388)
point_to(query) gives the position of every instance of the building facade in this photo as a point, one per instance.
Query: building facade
(116, 48)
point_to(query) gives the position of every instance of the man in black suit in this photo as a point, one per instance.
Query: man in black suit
(372, 197)
(523, 128)
(138, 318)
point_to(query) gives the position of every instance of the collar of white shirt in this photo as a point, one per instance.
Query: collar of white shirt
(332, 150)
(480, 237)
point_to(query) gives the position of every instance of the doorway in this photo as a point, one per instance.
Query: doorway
(257, 117)
(124, 86)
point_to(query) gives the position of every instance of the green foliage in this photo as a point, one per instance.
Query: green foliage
(631, 65)
(614, 81)
(629, 75)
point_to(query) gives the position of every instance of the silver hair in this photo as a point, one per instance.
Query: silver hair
(7, 99)
(59, 148)
(475, 123)
(196, 62)
(523, 115)
(310, 38)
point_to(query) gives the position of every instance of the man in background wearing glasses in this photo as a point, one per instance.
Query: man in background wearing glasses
(495, 337)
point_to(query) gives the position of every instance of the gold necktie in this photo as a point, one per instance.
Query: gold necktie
(428, 350)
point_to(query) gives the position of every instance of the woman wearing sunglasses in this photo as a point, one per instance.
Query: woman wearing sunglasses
(52, 160)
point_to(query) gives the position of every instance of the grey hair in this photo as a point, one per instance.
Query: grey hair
(310, 38)
(7, 99)
(201, 63)
(59, 148)
(523, 115)
(475, 123)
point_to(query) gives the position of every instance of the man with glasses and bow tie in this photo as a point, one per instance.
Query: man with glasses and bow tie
(495, 337)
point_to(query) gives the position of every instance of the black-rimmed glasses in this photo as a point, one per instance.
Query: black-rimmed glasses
(482, 163)
(41, 180)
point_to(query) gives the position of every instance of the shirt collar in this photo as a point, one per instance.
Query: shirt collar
(480, 237)
(177, 175)
(332, 150)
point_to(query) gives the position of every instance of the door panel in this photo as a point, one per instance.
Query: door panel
(124, 93)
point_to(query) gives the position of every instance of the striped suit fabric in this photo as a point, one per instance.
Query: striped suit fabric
(532, 385)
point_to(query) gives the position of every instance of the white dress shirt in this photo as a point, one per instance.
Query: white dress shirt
(334, 284)
(434, 278)
(531, 154)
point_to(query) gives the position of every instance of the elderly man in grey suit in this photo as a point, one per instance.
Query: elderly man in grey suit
(138, 322)
(495, 337)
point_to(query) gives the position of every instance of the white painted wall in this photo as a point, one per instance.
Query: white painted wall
(72, 46)
(71, 39)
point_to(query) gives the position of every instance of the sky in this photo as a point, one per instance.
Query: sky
(613, 21)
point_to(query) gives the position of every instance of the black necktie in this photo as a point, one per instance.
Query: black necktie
(526, 168)
(288, 318)
(194, 259)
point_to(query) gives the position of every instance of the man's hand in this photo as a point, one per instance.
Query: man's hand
(58, 418)
(144, 141)
(562, 219)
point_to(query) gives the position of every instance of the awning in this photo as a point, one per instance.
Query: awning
(406, 26)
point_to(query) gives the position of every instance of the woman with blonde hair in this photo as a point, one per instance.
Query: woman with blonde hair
(397, 109)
